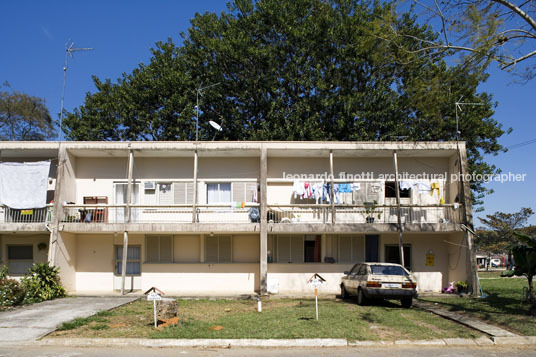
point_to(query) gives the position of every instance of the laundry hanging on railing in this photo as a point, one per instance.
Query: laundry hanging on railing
(24, 185)
(321, 192)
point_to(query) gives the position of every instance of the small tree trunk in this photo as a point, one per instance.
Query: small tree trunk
(532, 299)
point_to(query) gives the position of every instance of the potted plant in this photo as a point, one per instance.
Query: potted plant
(461, 286)
(370, 208)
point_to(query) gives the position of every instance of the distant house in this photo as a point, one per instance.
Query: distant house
(239, 217)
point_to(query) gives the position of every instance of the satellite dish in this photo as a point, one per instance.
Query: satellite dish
(215, 125)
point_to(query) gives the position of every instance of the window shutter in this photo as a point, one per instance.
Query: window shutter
(283, 249)
(211, 249)
(189, 193)
(165, 194)
(345, 249)
(179, 193)
(152, 249)
(225, 249)
(239, 191)
(166, 249)
(251, 191)
(296, 250)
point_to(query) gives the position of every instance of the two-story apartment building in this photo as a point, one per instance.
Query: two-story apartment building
(242, 217)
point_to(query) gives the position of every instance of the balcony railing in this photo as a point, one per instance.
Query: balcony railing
(364, 214)
(34, 215)
(157, 214)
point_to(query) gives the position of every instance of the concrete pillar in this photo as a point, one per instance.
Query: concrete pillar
(124, 262)
(129, 184)
(400, 227)
(465, 192)
(323, 247)
(56, 209)
(263, 254)
(194, 203)
(332, 178)
(201, 248)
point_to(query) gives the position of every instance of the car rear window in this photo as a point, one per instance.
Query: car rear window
(388, 270)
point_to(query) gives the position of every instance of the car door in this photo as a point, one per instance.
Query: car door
(361, 276)
(351, 287)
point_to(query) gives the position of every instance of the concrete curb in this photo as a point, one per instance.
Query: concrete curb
(317, 342)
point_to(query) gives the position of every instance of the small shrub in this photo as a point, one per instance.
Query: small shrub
(11, 292)
(42, 282)
(507, 274)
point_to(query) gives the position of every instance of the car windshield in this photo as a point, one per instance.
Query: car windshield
(388, 270)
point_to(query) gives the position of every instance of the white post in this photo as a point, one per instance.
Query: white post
(155, 320)
(316, 302)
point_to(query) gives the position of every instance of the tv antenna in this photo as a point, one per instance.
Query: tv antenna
(69, 50)
(199, 93)
(458, 106)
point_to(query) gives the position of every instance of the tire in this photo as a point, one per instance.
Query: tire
(361, 299)
(406, 302)
(344, 293)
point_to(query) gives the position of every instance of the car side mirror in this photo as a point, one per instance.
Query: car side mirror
(346, 273)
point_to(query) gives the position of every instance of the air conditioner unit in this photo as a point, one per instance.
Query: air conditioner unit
(149, 185)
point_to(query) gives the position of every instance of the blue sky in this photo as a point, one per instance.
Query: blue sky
(34, 34)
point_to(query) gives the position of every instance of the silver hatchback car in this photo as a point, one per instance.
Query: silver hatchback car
(379, 281)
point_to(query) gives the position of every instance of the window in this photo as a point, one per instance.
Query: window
(392, 255)
(19, 259)
(350, 248)
(218, 193)
(159, 249)
(164, 194)
(133, 260)
(362, 270)
(390, 190)
(290, 249)
(218, 249)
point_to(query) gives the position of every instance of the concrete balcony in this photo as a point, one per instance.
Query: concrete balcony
(25, 220)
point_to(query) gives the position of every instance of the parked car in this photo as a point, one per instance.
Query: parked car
(379, 281)
(495, 263)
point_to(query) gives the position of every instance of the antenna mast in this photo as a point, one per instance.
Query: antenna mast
(458, 105)
(69, 49)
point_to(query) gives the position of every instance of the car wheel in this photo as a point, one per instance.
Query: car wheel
(406, 302)
(361, 299)
(344, 293)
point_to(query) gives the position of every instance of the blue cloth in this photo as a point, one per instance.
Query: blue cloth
(345, 188)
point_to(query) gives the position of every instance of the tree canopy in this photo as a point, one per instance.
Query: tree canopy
(482, 31)
(295, 70)
(23, 117)
(500, 233)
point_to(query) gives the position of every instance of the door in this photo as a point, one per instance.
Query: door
(133, 271)
(120, 199)
(372, 248)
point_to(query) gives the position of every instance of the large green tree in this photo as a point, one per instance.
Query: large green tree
(295, 70)
(23, 117)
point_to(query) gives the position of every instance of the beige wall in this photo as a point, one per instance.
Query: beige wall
(187, 248)
(163, 168)
(228, 167)
(95, 262)
(206, 279)
(66, 259)
(293, 277)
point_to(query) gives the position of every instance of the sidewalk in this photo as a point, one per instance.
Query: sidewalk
(488, 329)
(31, 322)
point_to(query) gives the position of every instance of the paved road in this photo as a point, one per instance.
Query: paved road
(50, 351)
(30, 322)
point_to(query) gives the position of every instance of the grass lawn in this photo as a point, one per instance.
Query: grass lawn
(280, 318)
(503, 305)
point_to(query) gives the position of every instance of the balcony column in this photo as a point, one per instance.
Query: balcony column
(263, 254)
(331, 193)
(400, 228)
(56, 208)
(128, 216)
(194, 203)
(128, 199)
(465, 192)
